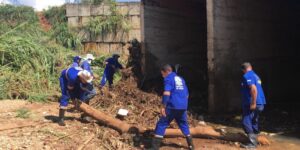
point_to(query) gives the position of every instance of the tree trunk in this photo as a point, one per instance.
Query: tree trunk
(123, 127)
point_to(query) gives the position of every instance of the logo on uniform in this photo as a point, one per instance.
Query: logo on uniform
(178, 83)
(259, 81)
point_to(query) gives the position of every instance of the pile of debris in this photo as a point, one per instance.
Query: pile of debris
(142, 111)
(143, 108)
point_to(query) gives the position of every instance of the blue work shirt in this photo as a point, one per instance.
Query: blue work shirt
(251, 78)
(112, 65)
(179, 92)
(86, 66)
(71, 75)
(75, 64)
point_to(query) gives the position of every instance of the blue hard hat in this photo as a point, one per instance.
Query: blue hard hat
(76, 58)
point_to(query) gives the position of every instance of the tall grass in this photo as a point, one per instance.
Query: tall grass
(30, 62)
(12, 15)
(63, 35)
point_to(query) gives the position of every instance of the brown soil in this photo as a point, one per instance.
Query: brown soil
(46, 26)
(46, 134)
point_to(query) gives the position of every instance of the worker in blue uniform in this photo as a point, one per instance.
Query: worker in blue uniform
(86, 64)
(76, 61)
(112, 65)
(253, 101)
(88, 89)
(175, 104)
(70, 81)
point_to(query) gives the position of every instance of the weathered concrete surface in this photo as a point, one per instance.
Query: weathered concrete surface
(86, 10)
(175, 33)
(212, 38)
(79, 15)
(260, 31)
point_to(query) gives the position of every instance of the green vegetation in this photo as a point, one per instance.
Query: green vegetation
(12, 16)
(31, 59)
(23, 113)
(113, 23)
(56, 15)
(30, 62)
(94, 2)
(63, 35)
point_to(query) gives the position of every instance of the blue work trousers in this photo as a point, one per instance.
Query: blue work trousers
(250, 119)
(180, 117)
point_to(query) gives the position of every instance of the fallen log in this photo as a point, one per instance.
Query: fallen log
(114, 123)
(200, 131)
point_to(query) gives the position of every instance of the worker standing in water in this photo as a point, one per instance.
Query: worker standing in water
(174, 106)
(111, 66)
(252, 103)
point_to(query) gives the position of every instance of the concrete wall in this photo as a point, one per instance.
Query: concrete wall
(175, 32)
(79, 15)
(260, 31)
(212, 38)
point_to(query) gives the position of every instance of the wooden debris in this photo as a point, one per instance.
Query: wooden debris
(86, 142)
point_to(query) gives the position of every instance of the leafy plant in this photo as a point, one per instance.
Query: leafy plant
(94, 2)
(56, 15)
(63, 35)
(14, 15)
(110, 24)
(23, 113)
(30, 62)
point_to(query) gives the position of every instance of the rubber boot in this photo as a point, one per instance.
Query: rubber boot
(189, 141)
(253, 142)
(61, 117)
(155, 143)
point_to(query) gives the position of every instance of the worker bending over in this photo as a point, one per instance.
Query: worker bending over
(175, 103)
(70, 84)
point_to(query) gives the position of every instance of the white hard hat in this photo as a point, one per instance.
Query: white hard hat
(90, 56)
(86, 75)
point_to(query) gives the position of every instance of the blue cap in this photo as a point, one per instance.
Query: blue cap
(76, 58)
